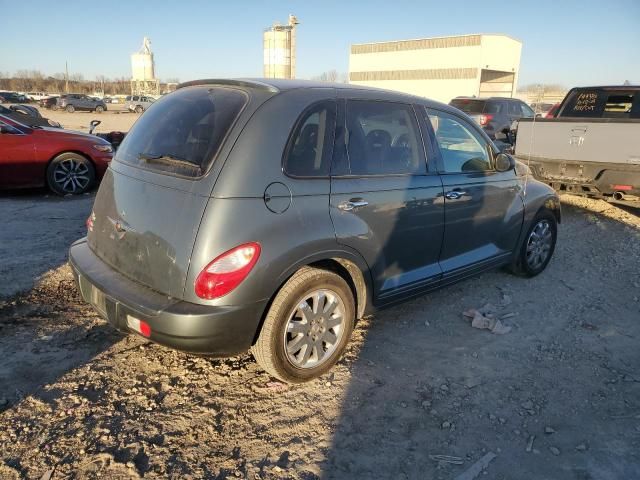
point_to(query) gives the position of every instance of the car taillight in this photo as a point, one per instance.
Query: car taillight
(90, 221)
(484, 119)
(227, 271)
(622, 187)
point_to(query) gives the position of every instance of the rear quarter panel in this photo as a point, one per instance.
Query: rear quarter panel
(237, 212)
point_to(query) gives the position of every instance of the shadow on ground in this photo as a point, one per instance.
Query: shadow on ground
(36, 233)
(554, 398)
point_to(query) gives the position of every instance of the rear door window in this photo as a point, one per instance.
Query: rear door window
(308, 152)
(526, 111)
(514, 109)
(493, 107)
(382, 138)
(183, 131)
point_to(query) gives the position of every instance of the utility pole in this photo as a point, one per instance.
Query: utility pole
(66, 77)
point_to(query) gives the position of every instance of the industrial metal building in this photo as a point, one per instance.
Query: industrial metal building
(279, 46)
(440, 68)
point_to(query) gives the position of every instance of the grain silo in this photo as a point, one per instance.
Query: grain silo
(279, 42)
(143, 76)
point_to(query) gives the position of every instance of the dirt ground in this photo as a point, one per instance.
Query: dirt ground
(115, 118)
(420, 393)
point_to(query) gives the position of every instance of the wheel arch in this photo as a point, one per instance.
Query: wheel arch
(551, 204)
(352, 269)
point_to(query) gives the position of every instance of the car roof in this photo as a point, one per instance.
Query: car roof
(609, 87)
(279, 85)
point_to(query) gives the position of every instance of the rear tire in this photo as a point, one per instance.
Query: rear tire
(70, 173)
(307, 327)
(139, 109)
(70, 108)
(537, 246)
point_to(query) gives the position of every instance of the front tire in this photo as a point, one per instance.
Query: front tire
(307, 327)
(70, 173)
(70, 108)
(99, 109)
(139, 109)
(538, 245)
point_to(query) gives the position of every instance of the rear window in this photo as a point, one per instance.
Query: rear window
(182, 132)
(601, 104)
(469, 106)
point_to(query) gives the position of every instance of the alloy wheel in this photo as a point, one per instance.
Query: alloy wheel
(314, 328)
(71, 175)
(539, 244)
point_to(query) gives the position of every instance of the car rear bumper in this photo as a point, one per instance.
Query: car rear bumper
(201, 329)
(595, 179)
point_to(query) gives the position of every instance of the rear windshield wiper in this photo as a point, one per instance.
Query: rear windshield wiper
(170, 160)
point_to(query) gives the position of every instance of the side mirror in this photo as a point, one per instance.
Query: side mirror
(505, 162)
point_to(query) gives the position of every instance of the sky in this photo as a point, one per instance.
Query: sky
(565, 42)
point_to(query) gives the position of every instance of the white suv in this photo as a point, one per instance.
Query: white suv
(138, 103)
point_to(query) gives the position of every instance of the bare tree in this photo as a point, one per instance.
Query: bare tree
(329, 76)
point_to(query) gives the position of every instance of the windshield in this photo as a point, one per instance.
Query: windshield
(187, 126)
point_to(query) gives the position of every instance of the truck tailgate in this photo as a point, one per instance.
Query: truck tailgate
(599, 140)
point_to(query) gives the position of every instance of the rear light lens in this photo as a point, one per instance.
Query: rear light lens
(90, 221)
(227, 271)
(484, 119)
(623, 188)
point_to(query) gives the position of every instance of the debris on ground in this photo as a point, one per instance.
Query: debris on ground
(530, 443)
(476, 469)
(485, 318)
(447, 459)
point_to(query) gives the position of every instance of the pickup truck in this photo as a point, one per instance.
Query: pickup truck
(592, 146)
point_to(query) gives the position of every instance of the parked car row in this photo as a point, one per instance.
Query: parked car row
(13, 97)
(217, 229)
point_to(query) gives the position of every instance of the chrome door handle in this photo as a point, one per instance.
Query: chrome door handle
(352, 205)
(454, 194)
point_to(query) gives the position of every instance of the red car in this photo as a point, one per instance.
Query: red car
(553, 111)
(67, 162)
